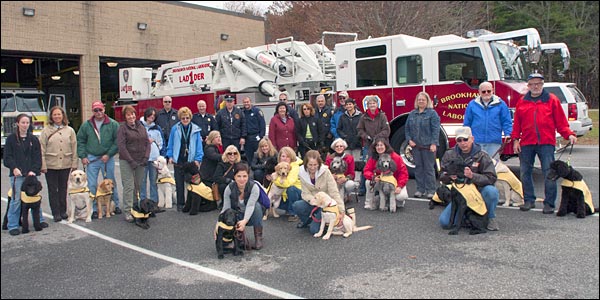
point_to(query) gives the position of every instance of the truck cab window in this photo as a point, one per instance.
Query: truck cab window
(462, 65)
(371, 66)
(409, 69)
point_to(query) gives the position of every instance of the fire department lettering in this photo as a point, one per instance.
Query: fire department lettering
(127, 88)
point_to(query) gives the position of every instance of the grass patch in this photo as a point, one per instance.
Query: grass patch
(591, 138)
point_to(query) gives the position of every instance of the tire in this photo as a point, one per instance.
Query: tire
(400, 145)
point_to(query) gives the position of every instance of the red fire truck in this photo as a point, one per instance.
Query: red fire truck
(393, 68)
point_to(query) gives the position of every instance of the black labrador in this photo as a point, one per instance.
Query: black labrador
(572, 198)
(142, 212)
(226, 233)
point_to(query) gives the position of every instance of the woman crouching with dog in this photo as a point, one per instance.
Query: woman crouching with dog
(315, 177)
(346, 181)
(381, 146)
(242, 195)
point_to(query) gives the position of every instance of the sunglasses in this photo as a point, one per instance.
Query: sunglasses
(185, 118)
(486, 92)
(460, 140)
(166, 101)
(232, 153)
(98, 110)
(306, 108)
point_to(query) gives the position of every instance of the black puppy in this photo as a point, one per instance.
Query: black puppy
(141, 212)
(574, 191)
(225, 232)
(31, 199)
(462, 215)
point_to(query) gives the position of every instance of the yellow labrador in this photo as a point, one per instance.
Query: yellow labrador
(329, 215)
(79, 203)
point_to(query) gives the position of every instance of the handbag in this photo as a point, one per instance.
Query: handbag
(215, 191)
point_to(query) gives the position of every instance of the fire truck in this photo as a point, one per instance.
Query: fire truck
(392, 68)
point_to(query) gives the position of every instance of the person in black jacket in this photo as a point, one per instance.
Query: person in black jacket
(307, 131)
(232, 124)
(347, 129)
(23, 157)
(166, 119)
(265, 151)
(213, 152)
(204, 120)
(255, 126)
(224, 171)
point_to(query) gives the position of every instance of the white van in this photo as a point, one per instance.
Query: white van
(574, 104)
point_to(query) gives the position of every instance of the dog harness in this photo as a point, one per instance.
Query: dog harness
(166, 180)
(202, 190)
(582, 186)
(512, 180)
(225, 227)
(473, 197)
(79, 191)
(99, 194)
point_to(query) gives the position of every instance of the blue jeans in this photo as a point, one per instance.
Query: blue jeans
(490, 148)
(545, 154)
(424, 170)
(303, 209)
(293, 195)
(14, 207)
(257, 215)
(490, 197)
(93, 168)
(150, 173)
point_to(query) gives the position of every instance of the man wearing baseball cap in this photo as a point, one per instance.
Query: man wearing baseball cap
(538, 116)
(97, 146)
(339, 111)
(479, 170)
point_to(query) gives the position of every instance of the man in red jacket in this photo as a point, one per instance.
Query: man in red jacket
(538, 115)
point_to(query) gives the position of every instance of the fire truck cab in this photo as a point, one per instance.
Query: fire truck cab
(449, 68)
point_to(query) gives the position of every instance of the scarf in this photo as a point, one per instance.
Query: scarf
(373, 115)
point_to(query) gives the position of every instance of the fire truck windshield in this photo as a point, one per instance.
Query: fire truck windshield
(30, 102)
(510, 61)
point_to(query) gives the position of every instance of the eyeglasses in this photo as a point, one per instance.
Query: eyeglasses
(185, 118)
(460, 140)
(535, 84)
(98, 110)
(339, 146)
(166, 101)
(486, 92)
(306, 108)
(232, 153)
(342, 98)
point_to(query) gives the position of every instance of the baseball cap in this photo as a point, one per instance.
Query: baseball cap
(463, 132)
(343, 94)
(229, 98)
(535, 75)
(97, 104)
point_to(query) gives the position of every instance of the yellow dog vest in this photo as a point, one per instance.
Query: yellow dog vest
(166, 180)
(580, 185)
(473, 197)
(513, 181)
(389, 179)
(25, 198)
(201, 189)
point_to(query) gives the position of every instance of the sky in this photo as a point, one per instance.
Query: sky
(219, 4)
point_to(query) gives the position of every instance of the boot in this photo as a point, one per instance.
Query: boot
(258, 238)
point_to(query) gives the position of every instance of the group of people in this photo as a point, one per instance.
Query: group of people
(217, 145)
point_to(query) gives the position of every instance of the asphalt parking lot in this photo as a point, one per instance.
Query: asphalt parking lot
(405, 255)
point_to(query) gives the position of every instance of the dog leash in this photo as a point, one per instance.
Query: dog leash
(561, 150)
(501, 149)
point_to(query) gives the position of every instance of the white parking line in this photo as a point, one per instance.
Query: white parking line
(234, 278)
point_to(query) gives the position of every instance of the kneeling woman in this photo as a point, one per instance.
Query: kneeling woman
(242, 194)
(315, 177)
